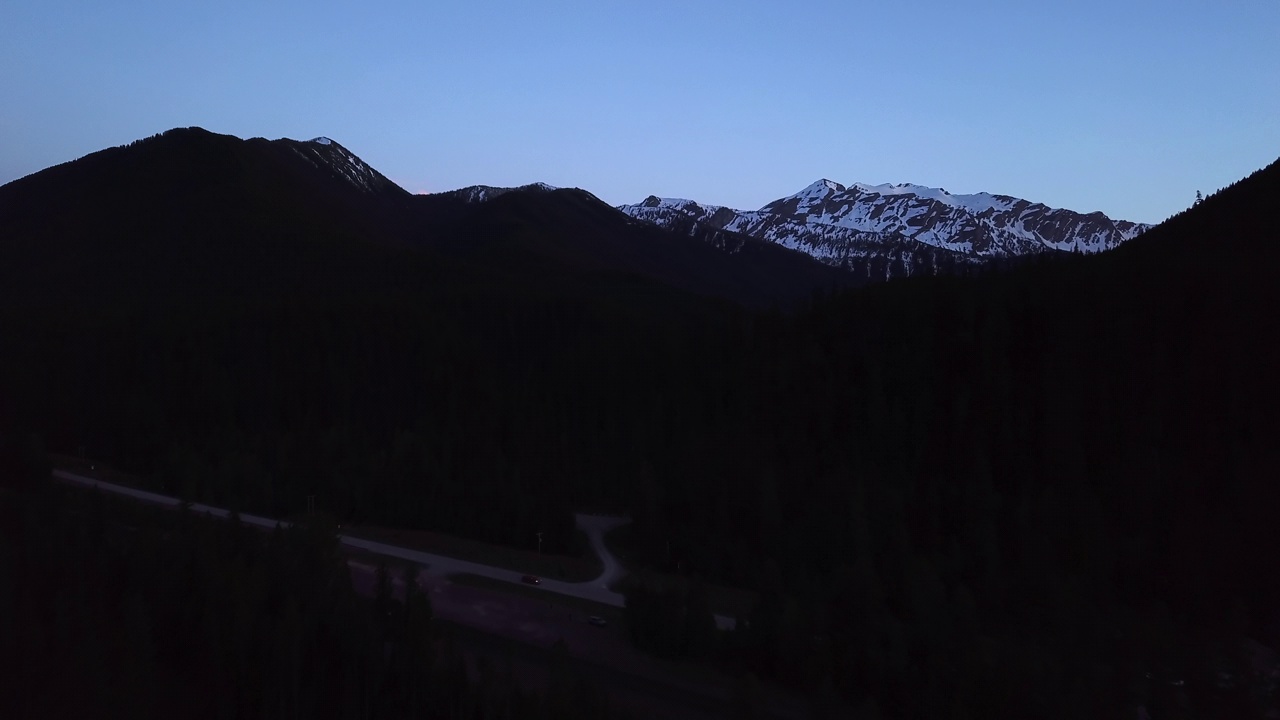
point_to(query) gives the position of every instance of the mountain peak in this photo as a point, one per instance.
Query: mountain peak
(481, 193)
(823, 187)
(862, 227)
(323, 152)
(894, 188)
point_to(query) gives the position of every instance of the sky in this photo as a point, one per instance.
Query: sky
(1123, 106)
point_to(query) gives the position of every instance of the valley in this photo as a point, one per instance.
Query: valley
(1011, 489)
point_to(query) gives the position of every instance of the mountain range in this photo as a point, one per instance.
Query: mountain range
(885, 231)
(1036, 493)
(189, 208)
(188, 192)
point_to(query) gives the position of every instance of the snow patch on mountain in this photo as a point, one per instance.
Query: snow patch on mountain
(323, 152)
(483, 193)
(975, 203)
(862, 225)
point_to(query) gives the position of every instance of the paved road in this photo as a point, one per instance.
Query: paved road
(490, 620)
(595, 526)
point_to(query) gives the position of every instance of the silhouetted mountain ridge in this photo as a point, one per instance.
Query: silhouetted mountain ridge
(189, 208)
(1040, 493)
(573, 229)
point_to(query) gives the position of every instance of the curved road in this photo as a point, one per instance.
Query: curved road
(490, 620)
(595, 526)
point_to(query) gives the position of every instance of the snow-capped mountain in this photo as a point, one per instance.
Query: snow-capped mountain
(910, 226)
(480, 193)
(322, 152)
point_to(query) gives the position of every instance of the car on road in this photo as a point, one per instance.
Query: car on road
(597, 621)
(531, 580)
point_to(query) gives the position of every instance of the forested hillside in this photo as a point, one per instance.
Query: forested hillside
(110, 609)
(1026, 491)
(1009, 495)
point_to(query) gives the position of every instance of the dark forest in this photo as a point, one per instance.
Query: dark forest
(1040, 491)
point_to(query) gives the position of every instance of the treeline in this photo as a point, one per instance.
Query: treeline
(115, 610)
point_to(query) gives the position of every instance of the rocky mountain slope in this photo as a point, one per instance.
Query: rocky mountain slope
(893, 230)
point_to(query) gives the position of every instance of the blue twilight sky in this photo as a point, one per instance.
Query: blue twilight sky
(1123, 106)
